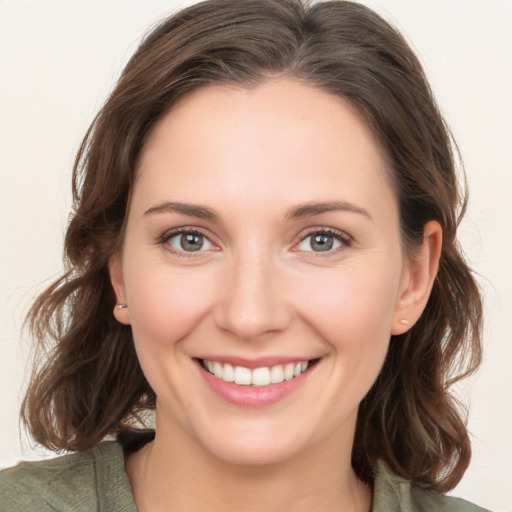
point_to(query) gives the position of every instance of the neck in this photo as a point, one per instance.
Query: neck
(174, 469)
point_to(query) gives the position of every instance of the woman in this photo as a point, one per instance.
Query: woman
(268, 205)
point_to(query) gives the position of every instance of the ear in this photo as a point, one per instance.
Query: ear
(115, 269)
(418, 279)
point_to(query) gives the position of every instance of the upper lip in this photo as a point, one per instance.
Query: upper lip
(258, 362)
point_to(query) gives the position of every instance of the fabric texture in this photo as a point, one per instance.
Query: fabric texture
(83, 482)
(96, 481)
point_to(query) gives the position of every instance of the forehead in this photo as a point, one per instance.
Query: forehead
(281, 136)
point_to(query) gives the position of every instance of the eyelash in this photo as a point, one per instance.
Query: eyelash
(181, 231)
(343, 238)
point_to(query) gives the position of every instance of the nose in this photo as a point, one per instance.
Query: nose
(252, 301)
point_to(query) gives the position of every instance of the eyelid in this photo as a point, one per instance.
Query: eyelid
(171, 233)
(345, 239)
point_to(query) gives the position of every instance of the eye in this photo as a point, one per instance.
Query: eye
(324, 240)
(187, 241)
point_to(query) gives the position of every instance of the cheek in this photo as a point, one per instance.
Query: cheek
(352, 315)
(164, 307)
(352, 310)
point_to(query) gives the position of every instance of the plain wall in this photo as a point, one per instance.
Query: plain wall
(59, 60)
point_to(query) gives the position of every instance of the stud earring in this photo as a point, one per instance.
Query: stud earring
(403, 321)
(121, 306)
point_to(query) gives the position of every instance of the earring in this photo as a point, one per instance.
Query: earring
(403, 321)
(122, 313)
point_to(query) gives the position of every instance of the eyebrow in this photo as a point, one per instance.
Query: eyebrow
(310, 209)
(192, 210)
(297, 212)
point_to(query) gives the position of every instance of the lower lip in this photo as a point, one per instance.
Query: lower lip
(249, 396)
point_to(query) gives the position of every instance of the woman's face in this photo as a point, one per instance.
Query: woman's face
(262, 238)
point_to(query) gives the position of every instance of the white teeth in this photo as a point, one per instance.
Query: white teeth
(263, 376)
(217, 369)
(276, 374)
(229, 373)
(243, 376)
(288, 371)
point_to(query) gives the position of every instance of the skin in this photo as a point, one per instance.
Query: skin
(259, 288)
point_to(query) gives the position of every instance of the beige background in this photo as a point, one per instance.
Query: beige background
(58, 61)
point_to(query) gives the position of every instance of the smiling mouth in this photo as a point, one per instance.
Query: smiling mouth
(257, 377)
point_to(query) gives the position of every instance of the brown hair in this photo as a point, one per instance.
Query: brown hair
(89, 383)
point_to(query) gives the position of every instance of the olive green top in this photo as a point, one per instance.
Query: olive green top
(96, 480)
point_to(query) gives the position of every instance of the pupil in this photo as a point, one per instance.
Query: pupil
(322, 242)
(191, 242)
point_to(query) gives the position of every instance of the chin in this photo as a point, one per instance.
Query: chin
(254, 445)
(253, 454)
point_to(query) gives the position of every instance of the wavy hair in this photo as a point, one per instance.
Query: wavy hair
(87, 383)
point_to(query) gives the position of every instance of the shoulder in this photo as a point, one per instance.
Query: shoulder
(91, 480)
(423, 500)
(394, 493)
